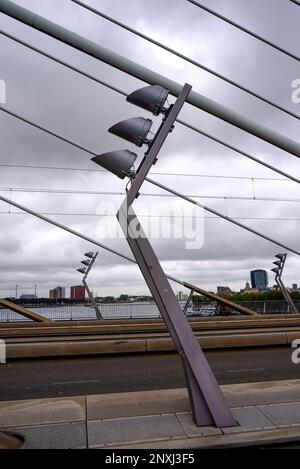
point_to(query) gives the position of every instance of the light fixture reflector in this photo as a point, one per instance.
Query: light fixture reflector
(89, 254)
(133, 130)
(81, 270)
(85, 262)
(118, 162)
(276, 270)
(151, 98)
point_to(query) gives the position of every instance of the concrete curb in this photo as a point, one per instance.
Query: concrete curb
(257, 438)
(138, 343)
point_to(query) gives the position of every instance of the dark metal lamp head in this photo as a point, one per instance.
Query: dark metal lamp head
(280, 256)
(275, 270)
(133, 130)
(85, 262)
(151, 98)
(82, 270)
(119, 162)
(278, 263)
(90, 255)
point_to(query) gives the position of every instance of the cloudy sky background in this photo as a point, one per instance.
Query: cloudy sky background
(33, 252)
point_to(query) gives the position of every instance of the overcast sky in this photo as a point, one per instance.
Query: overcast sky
(33, 252)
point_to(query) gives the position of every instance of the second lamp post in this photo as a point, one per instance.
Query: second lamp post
(89, 262)
(281, 258)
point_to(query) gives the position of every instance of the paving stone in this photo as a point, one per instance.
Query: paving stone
(282, 415)
(132, 404)
(187, 422)
(262, 393)
(42, 411)
(133, 429)
(249, 419)
(64, 436)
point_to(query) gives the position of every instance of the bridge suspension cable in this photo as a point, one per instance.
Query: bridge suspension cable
(117, 90)
(113, 215)
(218, 176)
(146, 194)
(191, 127)
(221, 215)
(188, 199)
(138, 71)
(245, 30)
(185, 58)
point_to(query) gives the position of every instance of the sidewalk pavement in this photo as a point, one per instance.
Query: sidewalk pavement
(267, 412)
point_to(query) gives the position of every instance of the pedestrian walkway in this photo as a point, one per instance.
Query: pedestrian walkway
(267, 412)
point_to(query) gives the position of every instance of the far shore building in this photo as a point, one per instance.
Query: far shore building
(77, 292)
(259, 279)
(58, 293)
(224, 290)
(182, 296)
(248, 289)
(28, 296)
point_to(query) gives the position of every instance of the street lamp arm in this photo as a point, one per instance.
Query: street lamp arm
(90, 266)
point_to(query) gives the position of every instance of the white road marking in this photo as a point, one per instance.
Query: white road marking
(245, 370)
(58, 383)
(75, 382)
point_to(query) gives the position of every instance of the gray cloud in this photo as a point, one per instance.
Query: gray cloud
(33, 252)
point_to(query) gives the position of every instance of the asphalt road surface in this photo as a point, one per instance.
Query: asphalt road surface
(29, 379)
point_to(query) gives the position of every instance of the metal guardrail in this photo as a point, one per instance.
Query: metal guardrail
(269, 307)
(261, 307)
(128, 310)
(86, 312)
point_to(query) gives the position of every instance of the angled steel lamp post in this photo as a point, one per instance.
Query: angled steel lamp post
(85, 271)
(278, 273)
(208, 404)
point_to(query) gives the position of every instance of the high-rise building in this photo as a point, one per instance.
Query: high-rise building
(182, 296)
(294, 286)
(77, 292)
(58, 293)
(259, 279)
